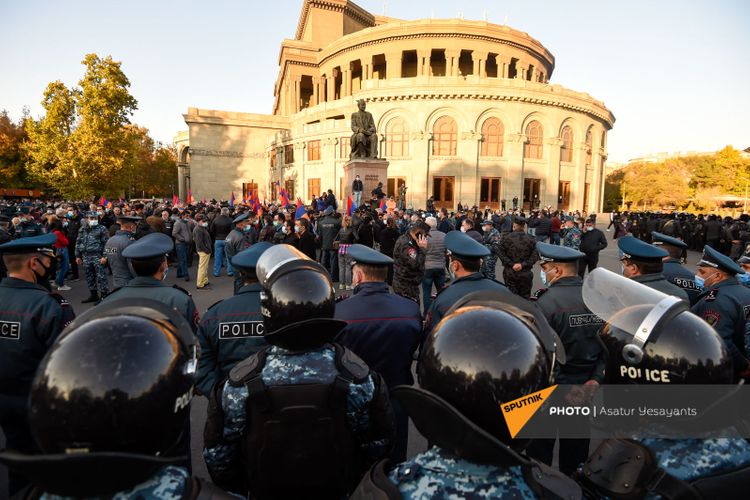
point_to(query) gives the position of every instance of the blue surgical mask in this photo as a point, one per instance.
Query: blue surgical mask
(543, 277)
(247, 228)
(744, 278)
(699, 282)
(164, 274)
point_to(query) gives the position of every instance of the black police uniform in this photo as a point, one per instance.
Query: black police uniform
(117, 389)
(232, 329)
(639, 251)
(31, 318)
(674, 272)
(463, 246)
(726, 307)
(563, 307)
(384, 330)
(152, 246)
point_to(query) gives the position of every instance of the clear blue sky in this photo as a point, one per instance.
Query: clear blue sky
(675, 73)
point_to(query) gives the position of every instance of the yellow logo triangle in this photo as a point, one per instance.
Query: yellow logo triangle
(519, 411)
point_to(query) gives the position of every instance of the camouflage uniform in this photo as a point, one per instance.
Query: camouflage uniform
(90, 248)
(438, 473)
(572, 238)
(408, 267)
(518, 247)
(491, 240)
(367, 402)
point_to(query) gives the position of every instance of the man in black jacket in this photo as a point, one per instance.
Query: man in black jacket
(357, 188)
(593, 241)
(219, 228)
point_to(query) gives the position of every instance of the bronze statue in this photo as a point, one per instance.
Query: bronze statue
(364, 140)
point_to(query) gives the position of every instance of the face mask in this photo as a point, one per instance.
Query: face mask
(164, 274)
(93, 223)
(543, 277)
(49, 273)
(23, 219)
(65, 224)
(699, 282)
(451, 272)
(463, 229)
(744, 278)
(69, 214)
(100, 213)
(204, 224)
(276, 223)
(297, 229)
(284, 230)
(247, 228)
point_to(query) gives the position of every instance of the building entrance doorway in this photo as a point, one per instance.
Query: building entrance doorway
(393, 184)
(531, 193)
(442, 191)
(563, 195)
(489, 193)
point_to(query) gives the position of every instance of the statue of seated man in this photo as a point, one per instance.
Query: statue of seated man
(364, 140)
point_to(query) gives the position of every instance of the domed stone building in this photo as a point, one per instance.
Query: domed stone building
(464, 112)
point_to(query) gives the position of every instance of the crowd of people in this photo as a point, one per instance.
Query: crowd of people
(308, 365)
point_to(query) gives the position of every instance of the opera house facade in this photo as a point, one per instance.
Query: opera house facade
(465, 113)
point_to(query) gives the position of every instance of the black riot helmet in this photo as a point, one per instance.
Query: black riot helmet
(297, 299)
(651, 337)
(480, 356)
(110, 400)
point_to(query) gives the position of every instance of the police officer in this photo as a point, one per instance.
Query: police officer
(563, 307)
(232, 329)
(302, 418)
(674, 272)
(464, 263)
(705, 468)
(27, 227)
(490, 239)
(382, 328)
(108, 405)
(409, 255)
(744, 263)
(148, 259)
(643, 263)
(472, 453)
(31, 317)
(518, 255)
(89, 251)
(115, 245)
(725, 304)
(240, 238)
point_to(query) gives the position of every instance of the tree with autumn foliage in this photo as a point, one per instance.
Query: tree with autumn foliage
(12, 156)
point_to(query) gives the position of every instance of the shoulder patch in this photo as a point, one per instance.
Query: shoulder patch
(178, 287)
(711, 295)
(539, 293)
(352, 363)
(247, 367)
(711, 317)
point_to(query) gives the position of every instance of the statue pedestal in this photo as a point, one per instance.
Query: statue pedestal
(370, 171)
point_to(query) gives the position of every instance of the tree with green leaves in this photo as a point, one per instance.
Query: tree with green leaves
(80, 146)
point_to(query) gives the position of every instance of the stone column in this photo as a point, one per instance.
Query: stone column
(521, 70)
(366, 71)
(503, 66)
(514, 175)
(297, 94)
(423, 62)
(552, 153)
(346, 83)
(579, 158)
(393, 64)
(451, 62)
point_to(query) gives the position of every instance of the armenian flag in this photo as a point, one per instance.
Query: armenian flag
(382, 205)
(231, 200)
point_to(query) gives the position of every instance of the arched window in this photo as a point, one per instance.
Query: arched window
(492, 135)
(396, 138)
(566, 150)
(589, 143)
(444, 137)
(535, 136)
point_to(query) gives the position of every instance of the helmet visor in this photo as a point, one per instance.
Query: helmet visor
(607, 294)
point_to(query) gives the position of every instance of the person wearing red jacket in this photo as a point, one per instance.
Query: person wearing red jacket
(61, 251)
